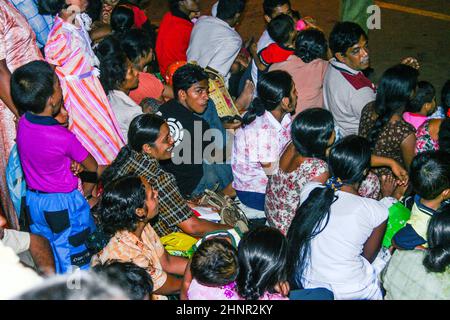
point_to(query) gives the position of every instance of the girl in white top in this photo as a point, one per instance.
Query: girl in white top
(336, 234)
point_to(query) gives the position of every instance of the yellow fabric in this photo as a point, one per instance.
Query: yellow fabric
(419, 221)
(178, 241)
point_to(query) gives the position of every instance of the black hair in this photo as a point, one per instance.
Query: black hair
(349, 160)
(186, 76)
(444, 135)
(94, 9)
(311, 130)
(430, 174)
(174, 5)
(51, 7)
(215, 263)
(272, 87)
(227, 9)
(88, 286)
(437, 256)
(113, 63)
(344, 36)
(425, 93)
(280, 28)
(117, 207)
(32, 85)
(262, 255)
(393, 94)
(136, 44)
(270, 5)
(144, 129)
(311, 44)
(122, 19)
(134, 280)
(445, 96)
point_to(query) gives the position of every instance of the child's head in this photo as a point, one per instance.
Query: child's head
(215, 263)
(132, 279)
(262, 256)
(138, 46)
(282, 29)
(122, 19)
(445, 97)
(311, 44)
(430, 175)
(34, 87)
(424, 101)
(273, 8)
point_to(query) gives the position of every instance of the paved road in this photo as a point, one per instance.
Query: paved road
(402, 33)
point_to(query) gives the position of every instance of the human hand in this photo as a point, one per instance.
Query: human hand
(282, 288)
(387, 185)
(412, 62)
(400, 173)
(76, 168)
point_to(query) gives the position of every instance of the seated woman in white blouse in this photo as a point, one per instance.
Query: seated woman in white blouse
(336, 234)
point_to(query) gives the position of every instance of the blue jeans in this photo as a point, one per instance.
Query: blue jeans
(214, 174)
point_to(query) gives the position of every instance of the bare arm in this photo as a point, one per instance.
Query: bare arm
(397, 169)
(89, 164)
(186, 282)
(42, 254)
(199, 227)
(171, 286)
(172, 264)
(5, 90)
(373, 243)
(408, 149)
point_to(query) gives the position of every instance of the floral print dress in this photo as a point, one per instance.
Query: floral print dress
(424, 141)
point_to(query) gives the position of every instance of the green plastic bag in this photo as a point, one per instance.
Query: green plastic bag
(398, 216)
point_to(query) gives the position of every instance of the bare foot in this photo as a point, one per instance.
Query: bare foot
(388, 185)
(246, 97)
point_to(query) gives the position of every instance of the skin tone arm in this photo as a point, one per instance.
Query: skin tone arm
(42, 254)
(5, 89)
(186, 282)
(397, 169)
(199, 227)
(171, 286)
(89, 164)
(254, 53)
(407, 147)
(373, 243)
(173, 264)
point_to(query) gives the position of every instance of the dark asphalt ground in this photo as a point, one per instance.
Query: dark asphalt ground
(402, 34)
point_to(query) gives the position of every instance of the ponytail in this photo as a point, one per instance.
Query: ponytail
(256, 109)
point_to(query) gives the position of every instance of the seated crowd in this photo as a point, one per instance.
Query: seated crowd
(115, 151)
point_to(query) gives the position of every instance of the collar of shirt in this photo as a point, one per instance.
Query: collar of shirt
(274, 122)
(124, 97)
(42, 120)
(342, 67)
(422, 207)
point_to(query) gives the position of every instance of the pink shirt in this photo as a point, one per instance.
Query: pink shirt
(308, 79)
(262, 141)
(414, 119)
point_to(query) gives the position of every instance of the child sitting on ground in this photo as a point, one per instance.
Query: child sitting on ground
(430, 178)
(213, 268)
(282, 30)
(422, 106)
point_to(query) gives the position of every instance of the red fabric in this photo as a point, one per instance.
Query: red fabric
(139, 15)
(358, 81)
(274, 53)
(172, 41)
(149, 87)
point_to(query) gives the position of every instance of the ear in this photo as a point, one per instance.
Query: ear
(140, 212)
(285, 102)
(446, 194)
(267, 18)
(147, 149)
(340, 57)
(182, 95)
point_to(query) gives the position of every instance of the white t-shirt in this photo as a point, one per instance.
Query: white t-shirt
(336, 261)
(263, 42)
(125, 110)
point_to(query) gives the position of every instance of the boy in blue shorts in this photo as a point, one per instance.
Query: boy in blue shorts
(57, 210)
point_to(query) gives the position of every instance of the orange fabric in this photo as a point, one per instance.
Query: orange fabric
(149, 87)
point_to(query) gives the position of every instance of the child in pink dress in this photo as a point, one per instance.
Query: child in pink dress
(422, 105)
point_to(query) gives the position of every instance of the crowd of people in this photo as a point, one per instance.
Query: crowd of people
(110, 142)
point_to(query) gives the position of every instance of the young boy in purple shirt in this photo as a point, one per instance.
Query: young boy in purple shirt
(57, 210)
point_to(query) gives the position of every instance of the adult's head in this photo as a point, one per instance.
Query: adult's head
(313, 133)
(35, 87)
(349, 162)
(437, 257)
(53, 7)
(138, 46)
(126, 203)
(122, 19)
(273, 8)
(215, 263)
(311, 44)
(395, 89)
(262, 255)
(191, 87)
(116, 70)
(185, 6)
(230, 11)
(349, 44)
(134, 280)
(424, 99)
(282, 29)
(276, 89)
(430, 175)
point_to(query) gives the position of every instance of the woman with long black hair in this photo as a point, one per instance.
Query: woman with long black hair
(336, 234)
